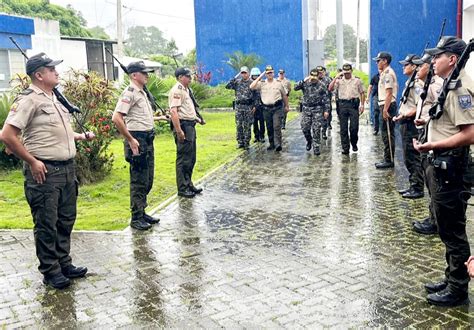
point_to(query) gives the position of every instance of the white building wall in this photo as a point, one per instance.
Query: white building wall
(468, 30)
(46, 38)
(74, 54)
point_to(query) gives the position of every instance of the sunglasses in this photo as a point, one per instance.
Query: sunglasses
(269, 72)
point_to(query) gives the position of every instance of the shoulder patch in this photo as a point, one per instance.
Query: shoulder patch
(14, 107)
(176, 96)
(465, 101)
(126, 99)
(27, 91)
(130, 89)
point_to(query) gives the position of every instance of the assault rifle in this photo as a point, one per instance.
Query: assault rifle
(61, 98)
(154, 104)
(451, 82)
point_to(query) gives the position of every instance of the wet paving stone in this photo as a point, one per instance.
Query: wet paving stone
(275, 241)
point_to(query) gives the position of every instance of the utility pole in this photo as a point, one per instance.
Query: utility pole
(339, 34)
(358, 37)
(119, 30)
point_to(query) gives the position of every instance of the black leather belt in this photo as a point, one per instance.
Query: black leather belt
(57, 162)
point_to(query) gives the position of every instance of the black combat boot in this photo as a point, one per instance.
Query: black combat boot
(57, 281)
(71, 271)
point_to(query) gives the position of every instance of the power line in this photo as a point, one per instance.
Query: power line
(151, 12)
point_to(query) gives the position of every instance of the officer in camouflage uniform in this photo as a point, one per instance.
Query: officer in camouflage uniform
(324, 78)
(315, 108)
(257, 109)
(134, 119)
(48, 150)
(243, 107)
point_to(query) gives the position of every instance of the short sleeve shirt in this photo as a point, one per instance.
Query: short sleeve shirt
(135, 106)
(270, 93)
(287, 84)
(374, 82)
(458, 110)
(413, 97)
(179, 97)
(388, 79)
(349, 89)
(433, 91)
(45, 125)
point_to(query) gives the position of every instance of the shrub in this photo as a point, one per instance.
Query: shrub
(95, 96)
(6, 160)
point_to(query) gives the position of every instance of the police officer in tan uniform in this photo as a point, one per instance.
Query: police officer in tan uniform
(134, 119)
(428, 225)
(184, 119)
(387, 92)
(408, 130)
(287, 84)
(449, 138)
(48, 150)
(350, 93)
(275, 100)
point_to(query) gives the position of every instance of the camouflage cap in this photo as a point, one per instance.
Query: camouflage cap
(269, 68)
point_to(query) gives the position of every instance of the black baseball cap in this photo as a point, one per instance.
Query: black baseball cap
(314, 72)
(39, 60)
(409, 59)
(182, 72)
(320, 68)
(448, 44)
(138, 67)
(383, 56)
(426, 58)
(347, 68)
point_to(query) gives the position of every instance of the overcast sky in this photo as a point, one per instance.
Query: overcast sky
(176, 17)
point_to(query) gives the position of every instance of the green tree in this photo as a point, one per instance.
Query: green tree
(98, 32)
(71, 21)
(238, 59)
(169, 65)
(350, 41)
(144, 41)
(190, 59)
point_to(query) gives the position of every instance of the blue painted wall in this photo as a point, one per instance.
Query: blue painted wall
(271, 29)
(20, 28)
(405, 26)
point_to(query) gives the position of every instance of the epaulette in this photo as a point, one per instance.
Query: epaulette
(180, 87)
(27, 91)
(356, 77)
(455, 84)
(130, 89)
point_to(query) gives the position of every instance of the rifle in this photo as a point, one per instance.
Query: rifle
(154, 104)
(422, 137)
(451, 82)
(411, 83)
(61, 98)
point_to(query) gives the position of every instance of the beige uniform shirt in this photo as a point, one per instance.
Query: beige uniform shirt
(348, 89)
(458, 110)
(271, 93)
(433, 91)
(287, 84)
(45, 125)
(388, 79)
(136, 108)
(179, 97)
(413, 97)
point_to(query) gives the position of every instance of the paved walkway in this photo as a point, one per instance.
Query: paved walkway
(276, 240)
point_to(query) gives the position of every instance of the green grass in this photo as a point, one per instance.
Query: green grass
(105, 205)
